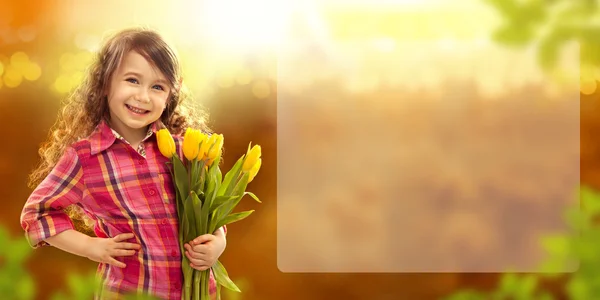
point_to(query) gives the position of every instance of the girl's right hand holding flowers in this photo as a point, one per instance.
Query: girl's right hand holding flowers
(104, 250)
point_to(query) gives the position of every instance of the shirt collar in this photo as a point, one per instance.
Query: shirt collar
(104, 136)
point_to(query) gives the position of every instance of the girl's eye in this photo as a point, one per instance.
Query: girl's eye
(132, 80)
(159, 87)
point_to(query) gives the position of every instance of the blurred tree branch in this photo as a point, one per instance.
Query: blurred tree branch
(549, 25)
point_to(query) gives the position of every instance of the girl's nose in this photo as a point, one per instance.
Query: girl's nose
(142, 96)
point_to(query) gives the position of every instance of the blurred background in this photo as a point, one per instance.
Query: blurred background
(518, 72)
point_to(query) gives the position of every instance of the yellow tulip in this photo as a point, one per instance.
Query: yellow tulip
(203, 147)
(254, 170)
(210, 161)
(166, 144)
(191, 143)
(251, 158)
(215, 149)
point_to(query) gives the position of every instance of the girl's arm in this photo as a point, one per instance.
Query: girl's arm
(102, 250)
(43, 214)
(71, 241)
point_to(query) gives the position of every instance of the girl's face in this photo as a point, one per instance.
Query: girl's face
(137, 95)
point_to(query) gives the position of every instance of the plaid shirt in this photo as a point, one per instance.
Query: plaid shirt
(124, 191)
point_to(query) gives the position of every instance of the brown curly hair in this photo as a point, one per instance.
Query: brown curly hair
(87, 105)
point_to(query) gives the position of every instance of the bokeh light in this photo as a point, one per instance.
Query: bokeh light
(413, 50)
(12, 77)
(261, 89)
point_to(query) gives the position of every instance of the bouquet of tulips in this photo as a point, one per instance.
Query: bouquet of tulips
(205, 200)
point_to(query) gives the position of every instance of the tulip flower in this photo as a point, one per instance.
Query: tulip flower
(206, 199)
(191, 143)
(215, 148)
(203, 147)
(211, 160)
(254, 170)
(251, 158)
(166, 144)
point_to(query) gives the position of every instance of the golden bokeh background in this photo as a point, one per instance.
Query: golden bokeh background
(229, 51)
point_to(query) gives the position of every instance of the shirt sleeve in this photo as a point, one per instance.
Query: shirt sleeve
(43, 216)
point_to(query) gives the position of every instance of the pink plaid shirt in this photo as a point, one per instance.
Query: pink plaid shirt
(124, 190)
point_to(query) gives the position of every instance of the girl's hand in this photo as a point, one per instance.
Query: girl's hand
(103, 250)
(205, 250)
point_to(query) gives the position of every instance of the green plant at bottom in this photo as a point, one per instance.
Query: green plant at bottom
(15, 281)
(578, 251)
(17, 284)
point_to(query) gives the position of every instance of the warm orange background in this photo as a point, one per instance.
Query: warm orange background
(244, 110)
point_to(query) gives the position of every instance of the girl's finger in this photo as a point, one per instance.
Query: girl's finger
(200, 249)
(123, 236)
(196, 255)
(116, 263)
(196, 261)
(128, 246)
(121, 252)
(199, 268)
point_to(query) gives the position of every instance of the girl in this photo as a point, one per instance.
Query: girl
(102, 164)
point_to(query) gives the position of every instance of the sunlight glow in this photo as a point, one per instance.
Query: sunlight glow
(238, 23)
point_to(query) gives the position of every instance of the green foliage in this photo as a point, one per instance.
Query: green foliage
(576, 252)
(79, 287)
(15, 281)
(550, 25)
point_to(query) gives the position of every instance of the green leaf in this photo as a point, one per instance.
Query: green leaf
(181, 177)
(240, 187)
(204, 214)
(590, 200)
(577, 289)
(222, 277)
(508, 283)
(17, 252)
(556, 245)
(234, 218)
(230, 178)
(194, 174)
(467, 295)
(253, 196)
(59, 296)
(190, 216)
(545, 296)
(238, 191)
(198, 215)
(220, 201)
(216, 210)
(210, 184)
(527, 287)
(25, 288)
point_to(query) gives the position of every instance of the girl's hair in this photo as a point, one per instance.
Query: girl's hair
(88, 104)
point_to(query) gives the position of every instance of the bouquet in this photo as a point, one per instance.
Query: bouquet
(205, 200)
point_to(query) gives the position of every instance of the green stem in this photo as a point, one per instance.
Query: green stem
(207, 283)
(187, 279)
(197, 287)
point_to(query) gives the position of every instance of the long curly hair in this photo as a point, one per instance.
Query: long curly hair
(87, 105)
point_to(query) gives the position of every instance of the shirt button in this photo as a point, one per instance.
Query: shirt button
(59, 207)
(163, 221)
(141, 161)
(151, 192)
(173, 253)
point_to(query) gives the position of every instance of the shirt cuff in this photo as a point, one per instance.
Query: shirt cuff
(45, 227)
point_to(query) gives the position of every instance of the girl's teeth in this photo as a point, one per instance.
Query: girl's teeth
(135, 110)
